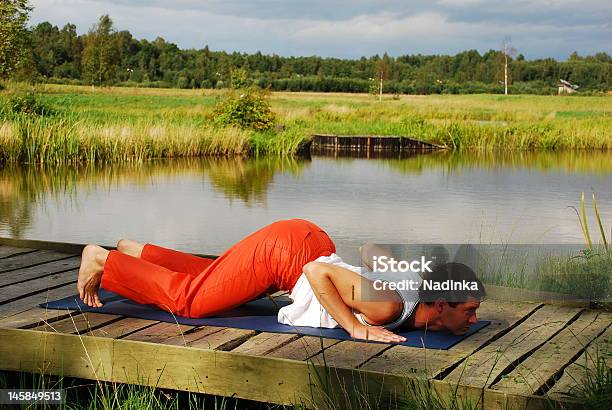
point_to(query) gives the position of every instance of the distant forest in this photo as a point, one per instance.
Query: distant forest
(105, 56)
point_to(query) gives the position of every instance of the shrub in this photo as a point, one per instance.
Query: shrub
(27, 103)
(245, 108)
(182, 82)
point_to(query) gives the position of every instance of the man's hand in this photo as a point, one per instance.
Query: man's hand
(377, 333)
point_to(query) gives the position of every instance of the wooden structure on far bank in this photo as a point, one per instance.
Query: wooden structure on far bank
(565, 87)
(366, 144)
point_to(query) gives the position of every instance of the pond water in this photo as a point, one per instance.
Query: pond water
(205, 205)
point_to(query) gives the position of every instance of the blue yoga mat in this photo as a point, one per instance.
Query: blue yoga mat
(260, 315)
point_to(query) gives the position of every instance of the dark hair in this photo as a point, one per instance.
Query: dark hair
(451, 272)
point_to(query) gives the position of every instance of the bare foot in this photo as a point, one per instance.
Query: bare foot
(130, 247)
(90, 274)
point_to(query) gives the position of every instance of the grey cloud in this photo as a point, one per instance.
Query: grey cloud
(344, 28)
(525, 12)
(544, 11)
(271, 9)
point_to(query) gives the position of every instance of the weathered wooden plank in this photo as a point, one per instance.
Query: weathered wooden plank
(575, 374)
(38, 271)
(159, 332)
(303, 348)
(264, 343)
(29, 314)
(212, 337)
(8, 251)
(349, 354)
(537, 370)
(30, 287)
(482, 368)
(78, 323)
(29, 302)
(34, 317)
(187, 339)
(496, 400)
(226, 339)
(30, 259)
(422, 362)
(221, 373)
(121, 328)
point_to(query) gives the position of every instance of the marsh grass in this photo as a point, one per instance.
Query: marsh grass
(584, 275)
(589, 274)
(595, 390)
(64, 140)
(122, 124)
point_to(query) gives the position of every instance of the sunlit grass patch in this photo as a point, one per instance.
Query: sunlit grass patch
(582, 114)
(458, 122)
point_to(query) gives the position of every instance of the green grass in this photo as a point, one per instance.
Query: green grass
(584, 275)
(596, 390)
(125, 124)
(582, 114)
(581, 276)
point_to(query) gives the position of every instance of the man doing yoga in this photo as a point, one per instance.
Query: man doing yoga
(273, 258)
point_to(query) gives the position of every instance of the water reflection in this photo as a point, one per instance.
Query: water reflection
(592, 162)
(23, 188)
(441, 196)
(248, 179)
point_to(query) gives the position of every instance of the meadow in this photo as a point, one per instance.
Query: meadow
(84, 124)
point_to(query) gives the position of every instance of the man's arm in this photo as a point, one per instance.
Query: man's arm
(339, 290)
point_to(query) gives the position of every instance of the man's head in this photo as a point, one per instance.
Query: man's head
(451, 293)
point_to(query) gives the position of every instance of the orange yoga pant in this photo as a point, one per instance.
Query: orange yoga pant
(269, 259)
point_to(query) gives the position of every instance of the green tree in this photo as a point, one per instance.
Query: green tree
(70, 47)
(383, 72)
(101, 54)
(14, 15)
(239, 78)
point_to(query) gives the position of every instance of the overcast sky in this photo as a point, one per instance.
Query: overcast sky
(350, 29)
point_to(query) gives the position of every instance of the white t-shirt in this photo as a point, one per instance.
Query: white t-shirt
(306, 310)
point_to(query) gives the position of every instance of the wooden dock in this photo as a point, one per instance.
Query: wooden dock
(374, 146)
(530, 356)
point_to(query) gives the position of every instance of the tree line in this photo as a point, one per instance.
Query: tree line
(106, 56)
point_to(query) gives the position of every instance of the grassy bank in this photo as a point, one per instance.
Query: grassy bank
(121, 124)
